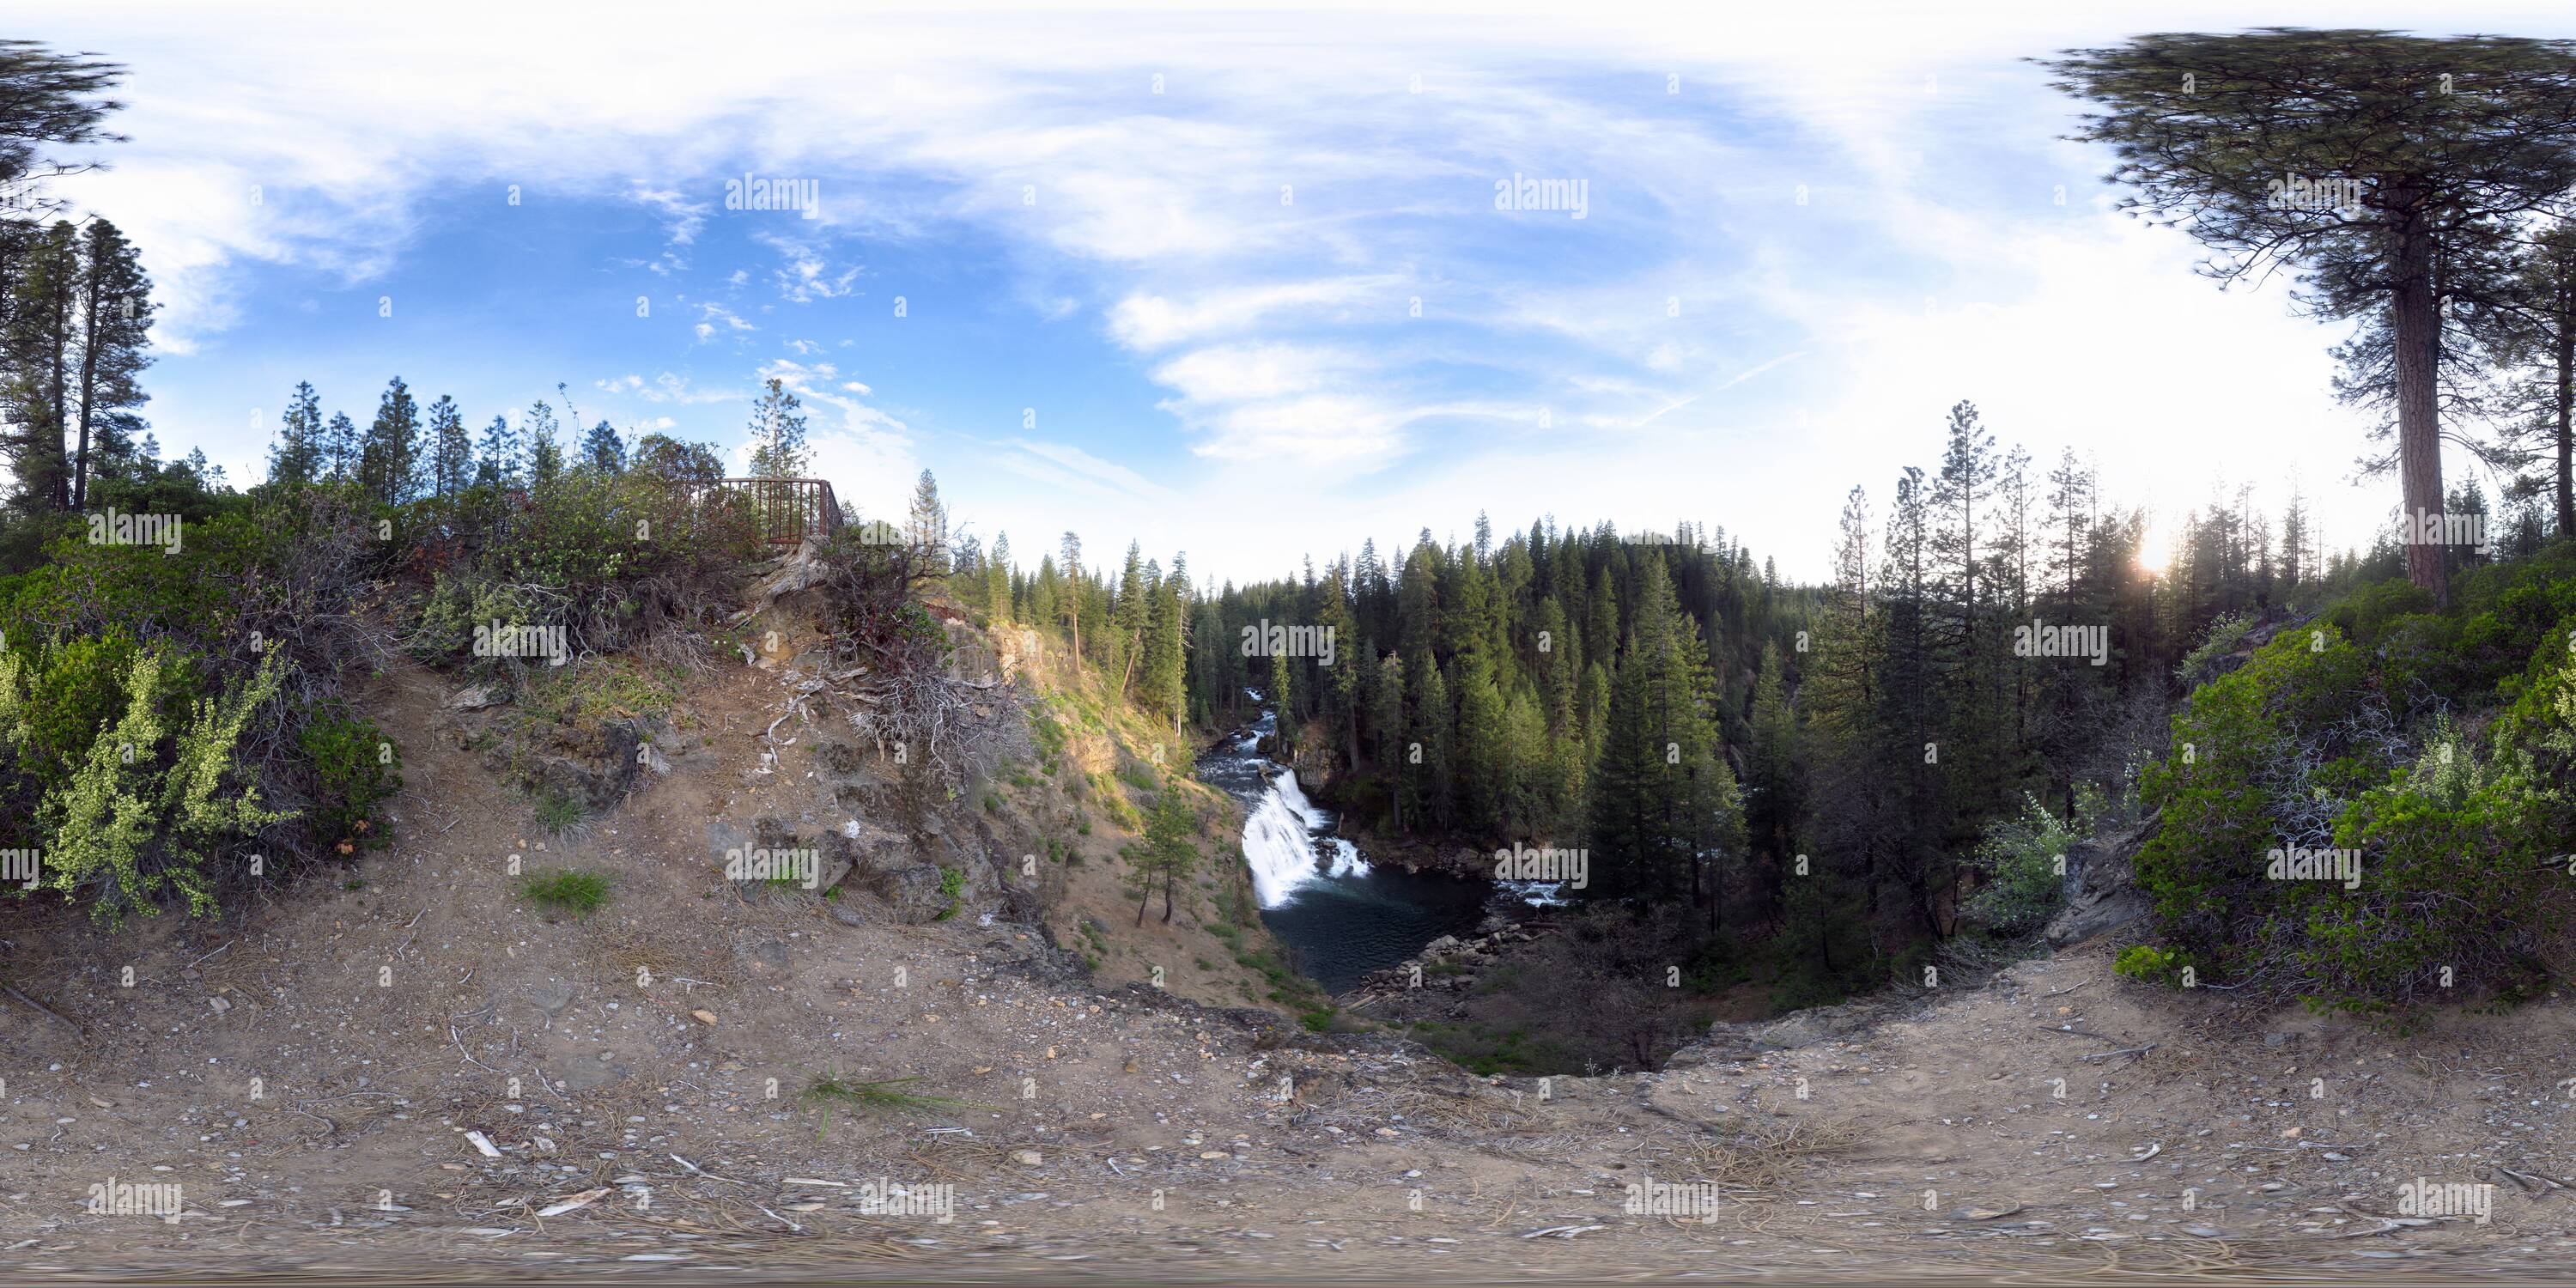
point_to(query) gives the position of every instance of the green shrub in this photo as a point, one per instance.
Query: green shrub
(566, 890)
(616, 562)
(2366, 613)
(2023, 860)
(557, 811)
(952, 887)
(2151, 965)
(2452, 824)
(156, 798)
(357, 769)
(2224, 635)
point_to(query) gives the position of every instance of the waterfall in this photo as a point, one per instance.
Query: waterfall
(1279, 843)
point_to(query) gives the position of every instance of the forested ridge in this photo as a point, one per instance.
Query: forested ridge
(1811, 771)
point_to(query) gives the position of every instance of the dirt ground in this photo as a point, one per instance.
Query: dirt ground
(312, 1074)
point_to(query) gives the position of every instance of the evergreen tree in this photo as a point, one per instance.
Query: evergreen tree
(603, 449)
(1433, 778)
(1283, 701)
(497, 462)
(1042, 595)
(115, 318)
(2453, 179)
(1164, 689)
(451, 455)
(37, 361)
(778, 449)
(340, 448)
(389, 456)
(927, 523)
(997, 581)
(296, 457)
(1070, 603)
(545, 450)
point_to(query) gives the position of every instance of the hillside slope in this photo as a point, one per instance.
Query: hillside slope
(307, 1071)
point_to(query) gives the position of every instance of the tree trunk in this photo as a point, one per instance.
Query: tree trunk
(2566, 443)
(2418, 334)
(57, 388)
(88, 381)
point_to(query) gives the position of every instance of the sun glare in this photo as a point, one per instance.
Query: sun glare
(2155, 551)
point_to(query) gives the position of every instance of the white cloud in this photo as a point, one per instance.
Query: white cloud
(1266, 321)
(711, 313)
(1146, 322)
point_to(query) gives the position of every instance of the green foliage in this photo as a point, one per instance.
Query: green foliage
(558, 811)
(884, 1095)
(2451, 825)
(2224, 635)
(571, 891)
(2365, 614)
(157, 797)
(2233, 785)
(2149, 964)
(614, 561)
(2023, 860)
(358, 769)
(952, 888)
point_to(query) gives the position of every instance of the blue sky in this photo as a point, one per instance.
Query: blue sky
(1229, 282)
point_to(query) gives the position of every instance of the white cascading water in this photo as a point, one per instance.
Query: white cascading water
(1279, 843)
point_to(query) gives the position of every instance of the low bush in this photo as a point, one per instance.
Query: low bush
(2370, 811)
(2024, 865)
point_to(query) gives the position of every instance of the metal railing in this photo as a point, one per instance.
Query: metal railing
(788, 510)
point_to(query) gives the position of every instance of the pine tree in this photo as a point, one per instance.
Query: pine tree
(545, 451)
(603, 449)
(497, 462)
(1127, 638)
(340, 448)
(115, 317)
(1386, 717)
(1775, 778)
(1283, 701)
(1165, 663)
(1070, 604)
(1483, 752)
(451, 456)
(37, 344)
(297, 455)
(389, 456)
(997, 581)
(1433, 719)
(928, 524)
(778, 448)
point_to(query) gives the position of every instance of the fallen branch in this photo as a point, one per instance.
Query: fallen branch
(2105, 1055)
(43, 1010)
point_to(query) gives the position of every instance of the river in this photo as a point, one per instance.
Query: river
(1339, 915)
